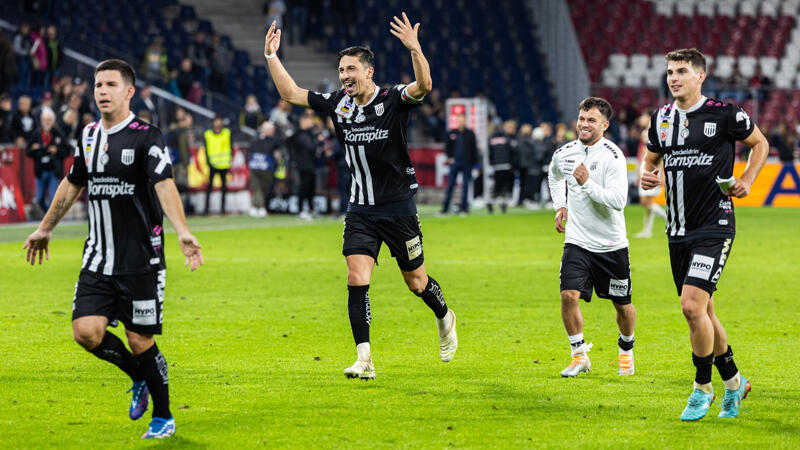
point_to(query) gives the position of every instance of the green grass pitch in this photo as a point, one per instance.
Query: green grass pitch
(257, 339)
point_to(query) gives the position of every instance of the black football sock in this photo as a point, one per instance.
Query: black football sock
(625, 345)
(433, 297)
(154, 367)
(359, 312)
(112, 349)
(703, 365)
(725, 365)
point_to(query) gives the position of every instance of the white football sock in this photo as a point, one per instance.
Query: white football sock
(364, 353)
(444, 323)
(658, 210)
(707, 388)
(733, 383)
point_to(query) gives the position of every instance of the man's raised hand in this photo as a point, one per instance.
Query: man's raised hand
(272, 41)
(403, 30)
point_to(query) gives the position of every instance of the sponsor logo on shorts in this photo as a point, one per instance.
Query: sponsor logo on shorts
(414, 247)
(617, 288)
(701, 266)
(144, 312)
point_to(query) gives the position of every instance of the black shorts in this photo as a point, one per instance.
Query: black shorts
(363, 235)
(503, 182)
(699, 263)
(609, 273)
(135, 300)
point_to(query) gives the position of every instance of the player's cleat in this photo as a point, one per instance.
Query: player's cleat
(580, 362)
(139, 399)
(160, 428)
(361, 369)
(733, 399)
(698, 405)
(625, 364)
(448, 343)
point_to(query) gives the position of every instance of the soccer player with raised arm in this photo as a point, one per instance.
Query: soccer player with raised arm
(695, 138)
(124, 165)
(593, 171)
(371, 125)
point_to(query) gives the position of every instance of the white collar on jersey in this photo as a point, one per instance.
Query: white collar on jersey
(693, 108)
(597, 144)
(118, 126)
(374, 95)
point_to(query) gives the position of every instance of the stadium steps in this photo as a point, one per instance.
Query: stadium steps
(245, 25)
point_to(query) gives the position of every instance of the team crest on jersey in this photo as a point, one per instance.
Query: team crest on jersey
(127, 156)
(710, 129)
(379, 109)
(360, 117)
(593, 166)
(684, 133)
(104, 159)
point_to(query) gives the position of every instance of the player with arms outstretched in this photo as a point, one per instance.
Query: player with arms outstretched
(371, 125)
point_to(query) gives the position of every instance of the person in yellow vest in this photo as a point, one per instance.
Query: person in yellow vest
(219, 154)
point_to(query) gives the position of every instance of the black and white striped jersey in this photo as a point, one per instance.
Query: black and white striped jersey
(698, 146)
(119, 167)
(374, 139)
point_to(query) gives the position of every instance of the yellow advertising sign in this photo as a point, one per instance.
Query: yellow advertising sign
(777, 185)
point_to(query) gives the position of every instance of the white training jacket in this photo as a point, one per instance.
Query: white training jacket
(595, 218)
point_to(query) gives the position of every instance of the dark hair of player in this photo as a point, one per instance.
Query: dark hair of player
(120, 66)
(596, 102)
(364, 55)
(692, 56)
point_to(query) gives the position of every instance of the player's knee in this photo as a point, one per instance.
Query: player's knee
(140, 343)
(691, 310)
(355, 278)
(417, 285)
(88, 338)
(569, 296)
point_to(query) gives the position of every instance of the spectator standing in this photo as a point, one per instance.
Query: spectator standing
(462, 153)
(525, 163)
(281, 115)
(221, 59)
(219, 154)
(251, 116)
(303, 148)
(23, 123)
(262, 167)
(47, 148)
(22, 50)
(502, 156)
(154, 62)
(185, 78)
(198, 53)
(6, 118)
(55, 54)
(38, 58)
(146, 103)
(8, 63)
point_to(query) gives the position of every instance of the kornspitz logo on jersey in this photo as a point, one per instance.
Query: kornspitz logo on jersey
(688, 158)
(110, 187)
(365, 134)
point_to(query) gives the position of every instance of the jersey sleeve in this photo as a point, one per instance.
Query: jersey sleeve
(739, 124)
(159, 164)
(403, 99)
(77, 173)
(324, 103)
(615, 193)
(558, 189)
(653, 143)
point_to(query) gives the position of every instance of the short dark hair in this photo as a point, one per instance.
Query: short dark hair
(364, 55)
(125, 69)
(692, 56)
(601, 104)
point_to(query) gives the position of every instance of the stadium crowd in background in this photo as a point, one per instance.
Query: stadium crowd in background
(33, 79)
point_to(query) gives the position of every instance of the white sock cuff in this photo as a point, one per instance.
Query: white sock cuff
(626, 338)
(364, 352)
(575, 338)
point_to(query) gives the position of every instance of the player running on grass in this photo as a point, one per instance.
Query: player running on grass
(371, 125)
(125, 167)
(593, 170)
(695, 137)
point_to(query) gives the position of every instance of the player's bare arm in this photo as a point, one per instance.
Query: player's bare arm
(171, 205)
(408, 35)
(758, 156)
(38, 241)
(650, 177)
(286, 86)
